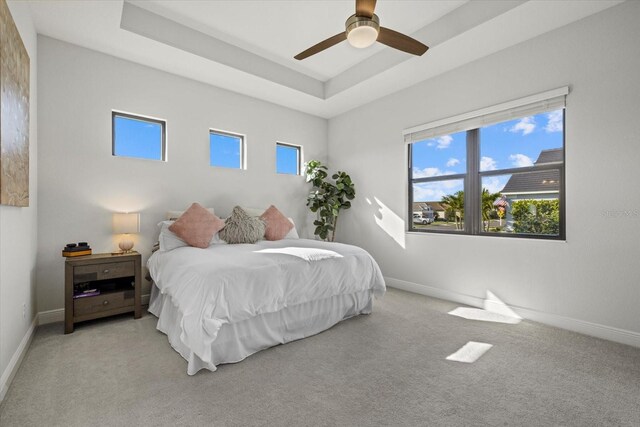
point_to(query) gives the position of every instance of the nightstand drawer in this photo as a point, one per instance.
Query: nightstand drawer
(111, 270)
(105, 302)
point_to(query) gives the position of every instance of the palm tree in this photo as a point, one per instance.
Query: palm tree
(455, 203)
(487, 206)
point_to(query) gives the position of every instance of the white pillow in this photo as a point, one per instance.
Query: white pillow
(168, 240)
(173, 215)
(293, 234)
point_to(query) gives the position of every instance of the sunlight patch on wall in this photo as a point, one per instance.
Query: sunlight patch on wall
(389, 222)
(495, 305)
(470, 352)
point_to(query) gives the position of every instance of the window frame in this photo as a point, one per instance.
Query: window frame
(299, 157)
(472, 184)
(243, 148)
(140, 118)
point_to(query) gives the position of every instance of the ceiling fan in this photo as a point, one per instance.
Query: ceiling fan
(363, 29)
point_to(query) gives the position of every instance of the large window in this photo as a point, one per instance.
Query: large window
(502, 178)
(137, 136)
(226, 150)
(288, 158)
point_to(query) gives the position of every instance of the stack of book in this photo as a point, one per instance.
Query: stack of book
(80, 249)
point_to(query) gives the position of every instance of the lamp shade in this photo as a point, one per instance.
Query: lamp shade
(126, 223)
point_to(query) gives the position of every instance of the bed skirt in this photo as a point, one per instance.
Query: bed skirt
(236, 341)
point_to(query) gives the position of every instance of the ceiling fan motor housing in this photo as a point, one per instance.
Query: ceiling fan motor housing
(362, 31)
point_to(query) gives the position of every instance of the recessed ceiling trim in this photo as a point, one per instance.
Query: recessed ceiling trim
(150, 25)
(455, 23)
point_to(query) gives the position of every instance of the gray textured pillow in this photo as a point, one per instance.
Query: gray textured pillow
(242, 228)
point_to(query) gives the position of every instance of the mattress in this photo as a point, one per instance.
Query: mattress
(237, 341)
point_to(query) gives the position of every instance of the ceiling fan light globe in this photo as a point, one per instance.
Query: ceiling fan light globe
(362, 31)
(362, 36)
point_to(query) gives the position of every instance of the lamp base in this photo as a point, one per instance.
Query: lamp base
(126, 245)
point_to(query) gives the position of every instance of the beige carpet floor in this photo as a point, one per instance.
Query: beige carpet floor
(385, 369)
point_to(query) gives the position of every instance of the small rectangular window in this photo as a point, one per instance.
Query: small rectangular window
(138, 136)
(288, 158)
(226, 150)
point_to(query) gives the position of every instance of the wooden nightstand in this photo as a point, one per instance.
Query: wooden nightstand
(118, 278)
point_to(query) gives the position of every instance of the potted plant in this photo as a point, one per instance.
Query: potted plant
(326, 199)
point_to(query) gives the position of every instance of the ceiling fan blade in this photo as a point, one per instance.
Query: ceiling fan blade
(401, 42)
(365, 8)
(325, 44)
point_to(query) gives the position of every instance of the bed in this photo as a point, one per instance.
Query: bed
(221, 304)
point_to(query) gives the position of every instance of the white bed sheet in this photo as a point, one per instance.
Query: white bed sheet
(230, 284)
(237, 341)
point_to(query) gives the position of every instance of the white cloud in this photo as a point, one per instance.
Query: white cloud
(429, 172)
(526, 125)
(435, 191)
(488, 164)
(452, 162)
(495, 184)
(554, 123)
(421, 194)
(520, 160)
(444, 141)
(426, 172)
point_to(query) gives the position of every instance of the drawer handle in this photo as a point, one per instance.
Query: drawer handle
(106, 271)
(105, 302)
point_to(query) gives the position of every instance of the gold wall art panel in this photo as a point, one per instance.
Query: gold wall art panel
(14, 113)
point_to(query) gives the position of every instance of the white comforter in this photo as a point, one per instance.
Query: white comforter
(232, 283)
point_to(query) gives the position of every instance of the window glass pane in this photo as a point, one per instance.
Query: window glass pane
(444, 155)
(225, 150)
(441, 200)
(287, 159)
(522, 142)
(137, 138)
(522, 203)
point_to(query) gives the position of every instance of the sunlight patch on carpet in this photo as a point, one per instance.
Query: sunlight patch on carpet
(484, 315)
(470, 352)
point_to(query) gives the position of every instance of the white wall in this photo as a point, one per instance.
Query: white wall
(18, 227)
(81, 183)
(593, 277)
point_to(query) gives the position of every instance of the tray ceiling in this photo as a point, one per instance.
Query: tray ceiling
(248, 46)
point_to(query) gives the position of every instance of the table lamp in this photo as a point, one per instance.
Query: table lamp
(126, 224)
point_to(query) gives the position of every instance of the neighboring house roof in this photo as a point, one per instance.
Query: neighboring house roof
(537, 182)
(550, 156)
(435, 206)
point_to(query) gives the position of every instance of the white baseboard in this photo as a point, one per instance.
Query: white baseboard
(622, 336)
(57, 315)
(431, 291)
(51, 316)
(41, 318)
(16, 359)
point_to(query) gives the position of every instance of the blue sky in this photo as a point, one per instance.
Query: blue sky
(224, 151)
(142, 139)
(516, 143)
(286, 159)
(137, 138)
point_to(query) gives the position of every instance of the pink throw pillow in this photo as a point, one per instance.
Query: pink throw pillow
(277, 225)
(196, 226)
